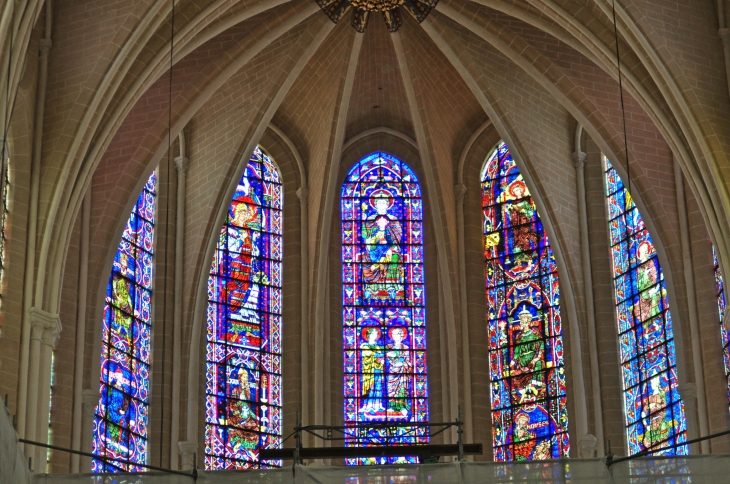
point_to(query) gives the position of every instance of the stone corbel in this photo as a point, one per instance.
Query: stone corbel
(587, 446)
(187, 451)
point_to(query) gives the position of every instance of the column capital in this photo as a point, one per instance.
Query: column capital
(303, 194)
(724, 37)
(579, 160)
(187, 451)
(587, 446)
(44, 326)
(182, 163)
(459, 192)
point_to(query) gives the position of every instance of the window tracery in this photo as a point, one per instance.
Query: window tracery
(653, 409)
(121, 416)
(529, 408)
(243, 383)
(384, 315)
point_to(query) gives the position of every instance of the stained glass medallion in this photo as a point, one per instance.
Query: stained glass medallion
(653, 409)
(243, 376)
(384, 318)
(120, 418)
(722, 307)
(529, 409)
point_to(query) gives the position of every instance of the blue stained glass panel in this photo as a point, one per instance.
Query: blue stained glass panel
(383, 305)
(121, 416)
(243, 372)
(654, 411)
(529, 409)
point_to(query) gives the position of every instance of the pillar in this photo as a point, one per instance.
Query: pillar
(181, 163)
(588, 444)
(90, 399)
(46, 328)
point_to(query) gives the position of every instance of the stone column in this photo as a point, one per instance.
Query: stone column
(694, 325)
(90, 401)
(48, 327)
(181, 162)
(459, 194)
(188, 454)
(303, 195)
(588, 444)
(40, 321)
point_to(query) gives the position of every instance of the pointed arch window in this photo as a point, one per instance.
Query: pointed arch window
(121, 416)
(721, 308)
(529, 409)
(653, 409)
(243, 383)
(383, 299)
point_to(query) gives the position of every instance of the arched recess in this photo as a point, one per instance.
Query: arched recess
(438, 356)
(529, 396)
(384, 304)
(653, 410)
(243, 408)
(121, 417)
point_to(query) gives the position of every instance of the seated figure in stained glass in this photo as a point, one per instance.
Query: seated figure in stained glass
(383, 277)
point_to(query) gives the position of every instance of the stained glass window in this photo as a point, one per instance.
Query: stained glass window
(243, 384)
(721, 307)
(653, 409)
(529, 410)
(383, 301)
(120, 419)
(4, 220)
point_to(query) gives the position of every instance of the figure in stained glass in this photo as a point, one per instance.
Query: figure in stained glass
(529, 416)
(120, 420)
(243, 388)
(654, 411)
(383, 305)
(399, 373)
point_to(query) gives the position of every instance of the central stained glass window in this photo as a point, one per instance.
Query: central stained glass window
(120, 418)
(529, 410)
(243, 378)
(653, 409)
(383, 301)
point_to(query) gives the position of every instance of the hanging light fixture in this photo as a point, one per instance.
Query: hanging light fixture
(391, 10)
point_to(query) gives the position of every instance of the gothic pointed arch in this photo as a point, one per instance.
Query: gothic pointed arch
(529, 407)
(384, 305)
(243, 351)
(653, 409)
(122, 414)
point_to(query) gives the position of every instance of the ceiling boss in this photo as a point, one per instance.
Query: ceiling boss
(391, 9)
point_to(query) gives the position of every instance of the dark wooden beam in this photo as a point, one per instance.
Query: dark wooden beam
(422, 451)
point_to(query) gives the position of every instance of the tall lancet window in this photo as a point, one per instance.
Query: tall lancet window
(653, 410)
(383, 299)
(120, 419)
(721, 308)
(529, 410)
(243, 383)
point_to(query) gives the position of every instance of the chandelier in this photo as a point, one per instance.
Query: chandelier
(391, 10)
